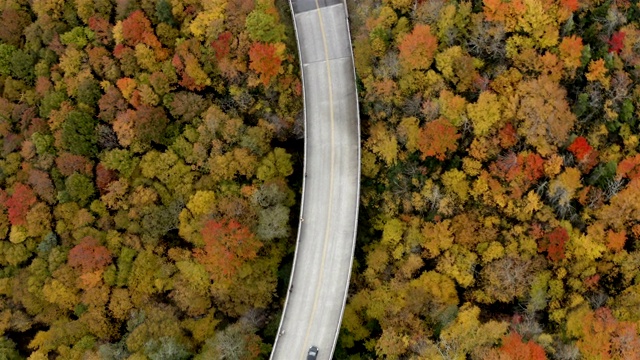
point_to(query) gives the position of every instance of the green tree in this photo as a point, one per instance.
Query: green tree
(79, 134)
(263, 23)
(275, 164)
(80, 188)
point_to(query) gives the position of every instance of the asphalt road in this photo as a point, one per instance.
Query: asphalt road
(326, 235)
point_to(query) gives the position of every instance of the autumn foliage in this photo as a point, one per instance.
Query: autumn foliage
(436, 138)
(514, 348)
(418, 48)
(227, 246)
(265, 60)
(554, 244)
(19, 203)
(136, 29)
(89, 255)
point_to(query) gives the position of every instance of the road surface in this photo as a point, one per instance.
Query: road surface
(329, 207)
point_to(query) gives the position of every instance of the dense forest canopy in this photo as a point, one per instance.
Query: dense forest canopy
(145, 150)
(148, 151)
(500, 214)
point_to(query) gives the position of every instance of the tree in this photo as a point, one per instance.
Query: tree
(265, 59)
(79, 135)
(485, 114)
(601, 336)
(191, 288)
(624, 206)
(18, 203)
(383, 143)
(554, 244)
(616, 43)
(42, 185)
(164, 12)
(236, 341)
(69, 163)
(544, 115)
(514, 348)
(222, 45)
(136, 29)
(263, 23)
(101, 28)
(13, 21)
(418, 48)
(187, 105)
(89, 255)
(580, 148)
(228, 245)
(466, 333)
(80, 188)
(571, 52)
(275, 164)
(629, 167)
(273, 223)
(508, 278)
(436, 138)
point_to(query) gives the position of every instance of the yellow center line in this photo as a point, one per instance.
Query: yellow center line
(326, 233)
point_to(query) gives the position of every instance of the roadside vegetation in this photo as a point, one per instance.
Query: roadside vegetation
(146, 149)
(500, 214)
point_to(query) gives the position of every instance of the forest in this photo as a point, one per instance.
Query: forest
(500, 201)
(150, 176)
(147, 186)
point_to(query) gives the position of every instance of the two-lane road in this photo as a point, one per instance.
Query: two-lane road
(326, 233)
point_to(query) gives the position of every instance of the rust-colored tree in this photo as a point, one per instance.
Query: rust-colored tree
(227, 245)
(554, 244)
(89, 255)
(104, 177)
(418, 48)
(222, 45)
(629, 167)
(265, 61)
(136, 29)
(436, 138)
(19, 202)
(513, 348)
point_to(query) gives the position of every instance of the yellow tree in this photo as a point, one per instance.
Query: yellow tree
(545, 119)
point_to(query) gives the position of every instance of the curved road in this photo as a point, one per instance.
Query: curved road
(329, 207)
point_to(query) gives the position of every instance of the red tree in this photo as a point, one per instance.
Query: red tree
(228, 244)
(222, 45)
(513, 348)
(265, 61)
(554, 244)
(616, 43)
(18, 203)
(89, 255)
(580, 148)
(436, 138)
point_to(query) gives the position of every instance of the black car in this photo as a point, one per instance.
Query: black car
(313, 353)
